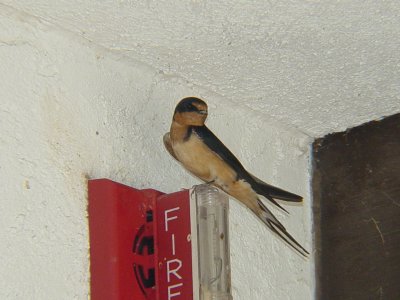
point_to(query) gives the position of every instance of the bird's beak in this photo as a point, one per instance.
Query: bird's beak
(202, 112)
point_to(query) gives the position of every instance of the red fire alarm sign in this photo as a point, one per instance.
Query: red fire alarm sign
(144, 244)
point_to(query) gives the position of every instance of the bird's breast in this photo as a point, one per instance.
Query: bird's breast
(202, 161)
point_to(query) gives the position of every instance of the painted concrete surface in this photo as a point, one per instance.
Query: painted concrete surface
(318, 66)
(70, 110)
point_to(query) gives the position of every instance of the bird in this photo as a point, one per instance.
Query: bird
(200, 152)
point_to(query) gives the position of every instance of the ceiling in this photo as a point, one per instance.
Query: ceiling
(318, 66)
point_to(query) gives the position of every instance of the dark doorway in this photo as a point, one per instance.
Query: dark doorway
(356, 188)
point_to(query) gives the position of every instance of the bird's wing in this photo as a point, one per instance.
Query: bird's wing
(226, 155)
(221, 150)
(274, 192)
(168, 146)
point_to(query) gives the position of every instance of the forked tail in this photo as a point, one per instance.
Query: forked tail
(269, 219)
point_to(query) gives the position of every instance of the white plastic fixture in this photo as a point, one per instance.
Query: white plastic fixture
(213, 243)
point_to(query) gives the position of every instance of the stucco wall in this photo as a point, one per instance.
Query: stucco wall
(320, 66)
(71, 110)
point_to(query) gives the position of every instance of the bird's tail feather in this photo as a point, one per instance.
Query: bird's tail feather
(270, 220)
(273, 201)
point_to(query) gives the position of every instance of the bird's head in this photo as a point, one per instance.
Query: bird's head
(191, 111)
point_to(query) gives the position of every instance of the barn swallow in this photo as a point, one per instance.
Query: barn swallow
(192, 144)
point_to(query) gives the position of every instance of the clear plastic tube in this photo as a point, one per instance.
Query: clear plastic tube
(213, 243)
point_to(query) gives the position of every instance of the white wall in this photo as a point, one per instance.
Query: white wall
(321, 66)
(71, 110)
